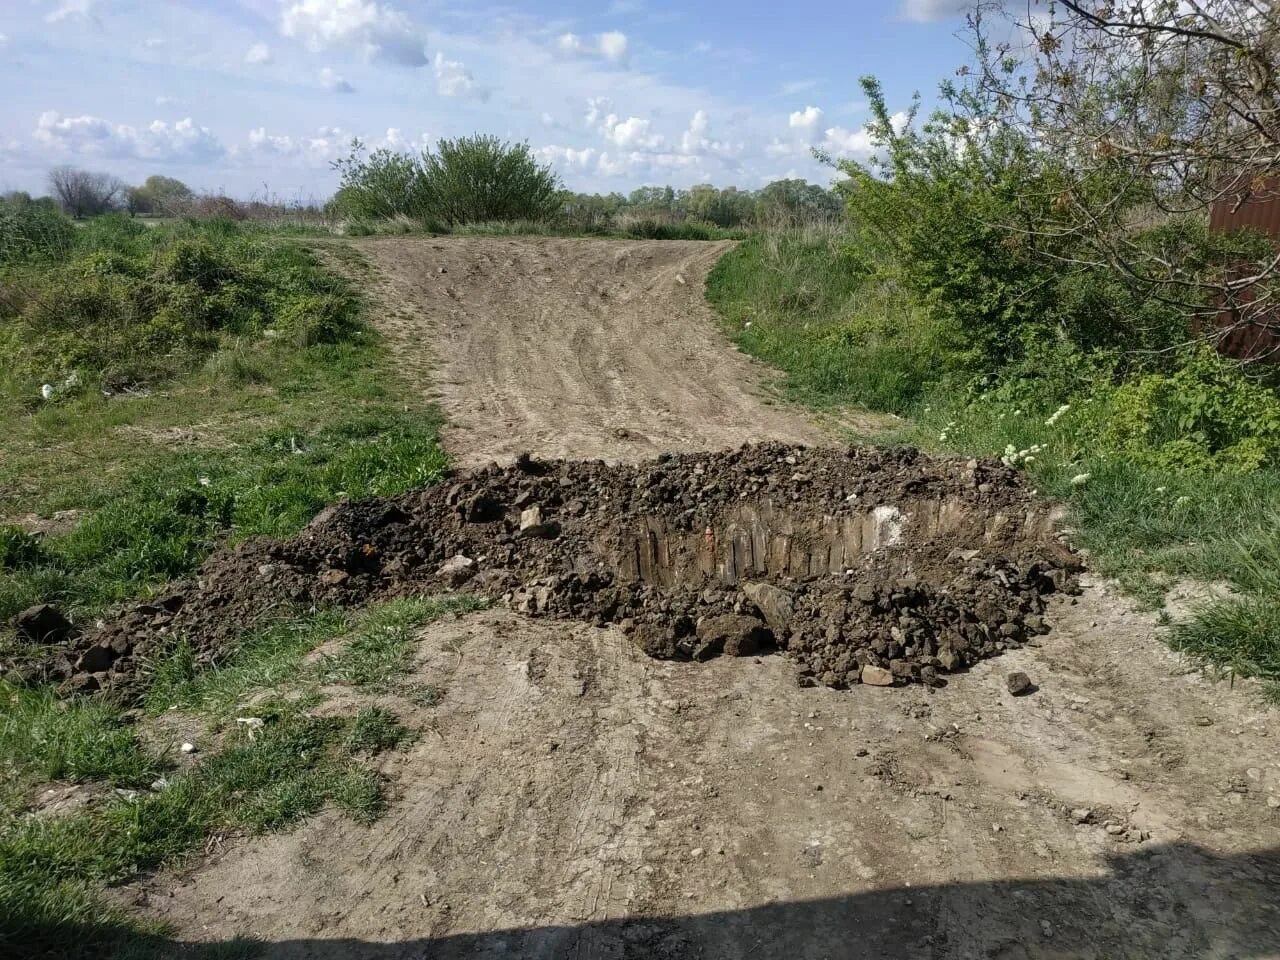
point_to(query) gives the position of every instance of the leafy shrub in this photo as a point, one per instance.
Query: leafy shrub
(32, 230)
(1205, 415)
(129, 303)
(468, 180)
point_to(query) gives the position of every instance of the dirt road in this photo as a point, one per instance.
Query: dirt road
(573, 348)
(570, 797)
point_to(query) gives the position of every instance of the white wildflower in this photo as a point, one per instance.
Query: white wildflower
(1080, 479)
(1057, 414)
(1181, 501)
(46, 391)
(1162, 489)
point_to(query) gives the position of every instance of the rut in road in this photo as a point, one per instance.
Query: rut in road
(574, 348)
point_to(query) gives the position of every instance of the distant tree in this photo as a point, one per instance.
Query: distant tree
(83, 193)
(796, 202)
(158, 195)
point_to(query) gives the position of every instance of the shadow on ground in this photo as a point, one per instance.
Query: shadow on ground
(1161, 902)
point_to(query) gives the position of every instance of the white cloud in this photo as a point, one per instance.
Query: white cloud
(377, 30)
(154, 43)
(611, 46)
(857, 143)
(327, 144)
(334, 82)
(159, 141)
(806, 121)
(70, 10)
(258, 53)
(4, 41)
(164, 100)
(925, 11)
(629, 133)
(567, 157)
(776, 148)
(453, 79)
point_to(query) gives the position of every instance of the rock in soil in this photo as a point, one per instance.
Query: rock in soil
(864, 565)
(43, 624)
(1019, 684)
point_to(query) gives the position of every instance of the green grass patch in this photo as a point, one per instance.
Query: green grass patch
(44, 737)
(51, 869)
(798, 300)
(380, 647)
(374, 730)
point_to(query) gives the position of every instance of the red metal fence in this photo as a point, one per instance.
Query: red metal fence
(1259, 337)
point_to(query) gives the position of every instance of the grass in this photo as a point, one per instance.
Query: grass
(260, 779)
(52, 868)
(44, 737)
(378, 651)
(800, 301)
(243, 434)
(254, 442)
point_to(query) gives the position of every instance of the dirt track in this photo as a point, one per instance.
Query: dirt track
(573, 348)
(571, 797)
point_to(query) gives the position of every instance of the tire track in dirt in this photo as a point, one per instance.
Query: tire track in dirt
(574, 348)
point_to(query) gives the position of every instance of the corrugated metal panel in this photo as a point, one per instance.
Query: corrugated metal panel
(1260, 210)
(1259, 338)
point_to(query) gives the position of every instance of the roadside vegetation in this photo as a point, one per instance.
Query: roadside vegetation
(171, 388)
(1013, 289)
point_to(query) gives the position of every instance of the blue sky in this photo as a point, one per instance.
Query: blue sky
(250, 96)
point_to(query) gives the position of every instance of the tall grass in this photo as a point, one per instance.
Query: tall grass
(800, 300)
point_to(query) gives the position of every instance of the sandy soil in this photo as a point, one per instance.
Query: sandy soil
(571, 798)
(573, 348)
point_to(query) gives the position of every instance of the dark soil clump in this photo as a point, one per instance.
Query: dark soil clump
(883, 566)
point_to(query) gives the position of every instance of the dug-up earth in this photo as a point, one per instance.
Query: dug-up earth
(938, 739)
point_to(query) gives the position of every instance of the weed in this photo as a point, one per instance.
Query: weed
(51, 868)
(374, 730)
(379, 649)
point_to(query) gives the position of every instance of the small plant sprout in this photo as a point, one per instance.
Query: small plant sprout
(1057, 415)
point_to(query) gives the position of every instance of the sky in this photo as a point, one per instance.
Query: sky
(257, 97)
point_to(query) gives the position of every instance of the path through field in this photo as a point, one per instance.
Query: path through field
(570, 797)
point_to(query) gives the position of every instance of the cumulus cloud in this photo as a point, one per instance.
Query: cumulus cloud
(70, 10)
(857, 143)
(611, 46)
(453, 79)
(377, 30)
(806, 121)
(629, 133)
(567, 158)
(160, 141)
(258, 53)
(334, 82)
(926, 11)
(327, 144)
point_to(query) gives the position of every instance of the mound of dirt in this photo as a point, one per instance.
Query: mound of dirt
(865, 565)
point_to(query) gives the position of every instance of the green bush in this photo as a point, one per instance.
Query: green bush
(469, 180)
(129, 304)
(32, 230)
(1206, 415)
